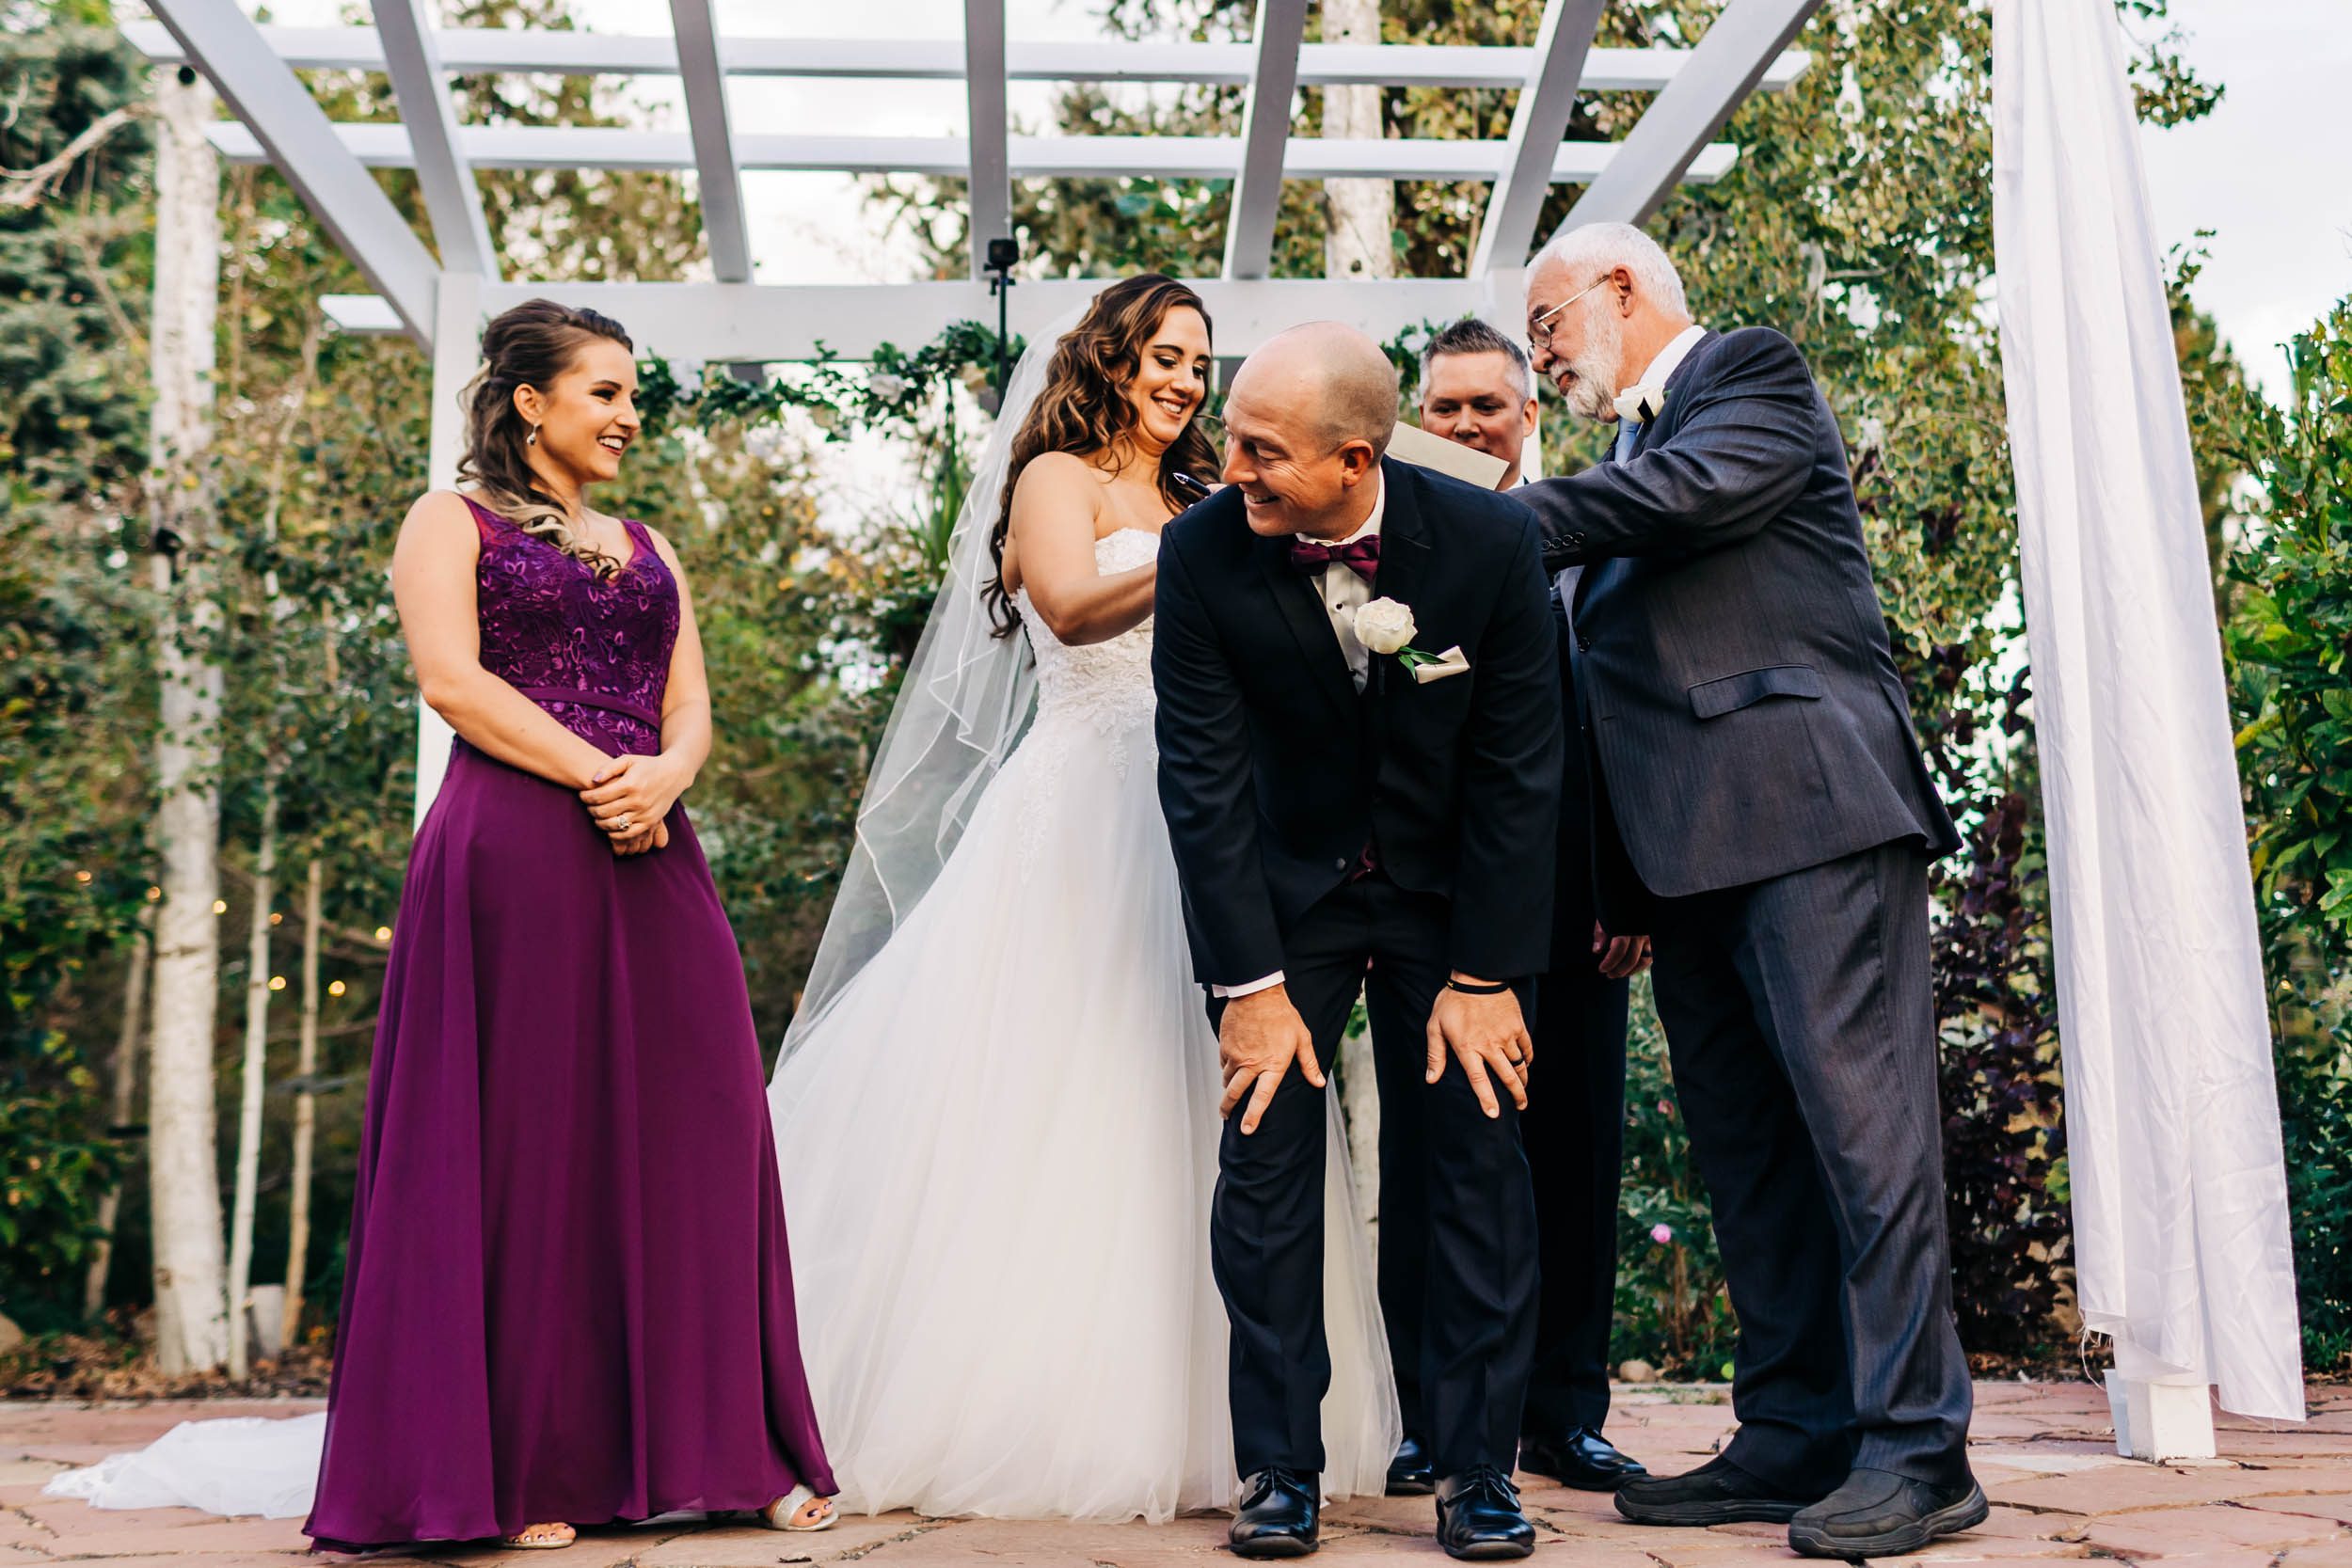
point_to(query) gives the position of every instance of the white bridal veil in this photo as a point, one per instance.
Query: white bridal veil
(967, 697)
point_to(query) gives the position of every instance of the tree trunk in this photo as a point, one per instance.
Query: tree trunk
(120, 1109)
(256, 1070)
(1361, 242)
(191, 1310)
(306, 1109)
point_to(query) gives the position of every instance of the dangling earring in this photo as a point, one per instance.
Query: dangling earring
(532, 439)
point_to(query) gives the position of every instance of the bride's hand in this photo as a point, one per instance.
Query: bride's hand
(1257, 1039)
(632, 791)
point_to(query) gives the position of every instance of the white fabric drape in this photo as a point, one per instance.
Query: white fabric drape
(2180, 1230)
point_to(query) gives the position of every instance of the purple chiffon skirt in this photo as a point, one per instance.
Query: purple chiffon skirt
(568, 1295)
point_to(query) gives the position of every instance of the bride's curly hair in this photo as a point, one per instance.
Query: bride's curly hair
(1084, 407)
(528, 346)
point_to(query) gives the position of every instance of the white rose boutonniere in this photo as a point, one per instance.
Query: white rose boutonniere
(1386, 626)
(1383, 625)
(1642, 404)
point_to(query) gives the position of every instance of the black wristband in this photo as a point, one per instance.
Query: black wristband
(1495, 989)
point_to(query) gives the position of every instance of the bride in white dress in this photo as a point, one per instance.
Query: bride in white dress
(997, 1111)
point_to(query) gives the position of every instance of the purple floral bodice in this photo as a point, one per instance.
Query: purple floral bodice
(594, 654)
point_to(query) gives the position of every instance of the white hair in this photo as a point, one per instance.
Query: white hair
(1595, 248)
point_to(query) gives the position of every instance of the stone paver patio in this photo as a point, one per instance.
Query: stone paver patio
(2280, 1497)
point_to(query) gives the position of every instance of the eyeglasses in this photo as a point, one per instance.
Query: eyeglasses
(1539, 332)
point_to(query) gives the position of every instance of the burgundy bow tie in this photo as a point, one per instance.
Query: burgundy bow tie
(1360, 556)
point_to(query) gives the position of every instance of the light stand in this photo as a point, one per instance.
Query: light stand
(1002, 254)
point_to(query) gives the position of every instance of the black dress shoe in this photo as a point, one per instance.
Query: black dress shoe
(1583, 1459)
(1410, 1473)
(1277, 1517)
(1479, 1518)
(1716, 1493)
(1880, 1514)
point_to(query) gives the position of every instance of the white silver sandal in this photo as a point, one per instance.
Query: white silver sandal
(780, 1513)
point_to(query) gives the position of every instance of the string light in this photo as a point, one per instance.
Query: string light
(277, 982)
(221, 905)
(383, 933)
(334, 988)
(81, 876)
(277, 919)
(153, 892)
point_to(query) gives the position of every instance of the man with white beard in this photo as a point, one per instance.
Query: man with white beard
(1760, 807)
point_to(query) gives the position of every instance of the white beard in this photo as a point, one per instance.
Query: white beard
(1592, 394)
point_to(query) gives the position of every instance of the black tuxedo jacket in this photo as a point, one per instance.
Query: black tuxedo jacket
(1739, 700)
(1276, 775)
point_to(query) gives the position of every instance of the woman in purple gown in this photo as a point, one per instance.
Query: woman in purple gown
(567, 1299)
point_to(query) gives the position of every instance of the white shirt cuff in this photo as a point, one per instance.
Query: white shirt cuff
(1228, 992)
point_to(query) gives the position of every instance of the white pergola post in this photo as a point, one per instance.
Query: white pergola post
(1712, 83)
(457, 318)
(990, 181)
(1265, 130)
(278, 111)
(1539, 123)
(718, 179)
(451, 199)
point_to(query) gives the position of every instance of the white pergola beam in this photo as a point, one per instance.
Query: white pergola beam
(451, 199)
(718, 182)
(1724, 68)
(1265, 137)
(742, 323)
(278, 113)
(1539, 123)
(1030, 157)
(478, 50)
(989, 183)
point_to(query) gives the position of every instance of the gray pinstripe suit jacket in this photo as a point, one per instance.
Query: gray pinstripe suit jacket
(1740, 705)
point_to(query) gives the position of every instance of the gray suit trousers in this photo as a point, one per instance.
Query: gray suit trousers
(1801, 1029)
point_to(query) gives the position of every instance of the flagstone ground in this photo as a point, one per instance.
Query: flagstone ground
(2280, 1496)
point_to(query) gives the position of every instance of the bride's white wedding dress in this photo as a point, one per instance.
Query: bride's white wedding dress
(1000, 1145)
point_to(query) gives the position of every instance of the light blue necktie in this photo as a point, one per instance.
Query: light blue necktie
(1628, 432)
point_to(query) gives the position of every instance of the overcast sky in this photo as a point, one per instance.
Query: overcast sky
(2269, 171)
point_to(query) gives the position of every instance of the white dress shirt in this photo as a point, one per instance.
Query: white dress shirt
(1659, 373)
(1344, 593)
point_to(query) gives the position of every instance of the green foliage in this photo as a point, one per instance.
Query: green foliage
(73, 697)
(1672, 1308)
(2289, 641)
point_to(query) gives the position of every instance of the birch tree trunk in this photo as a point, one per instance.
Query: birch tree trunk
(120, 1108)
(256, 1070)
(191, 1310)
(1361, 242)
(1358, 244)
(306, 1107)
(257, 980)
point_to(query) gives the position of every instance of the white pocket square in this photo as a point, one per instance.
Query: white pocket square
(1451, 662)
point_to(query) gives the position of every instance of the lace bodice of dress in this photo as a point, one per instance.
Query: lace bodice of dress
(1106, 683)
(594, 654)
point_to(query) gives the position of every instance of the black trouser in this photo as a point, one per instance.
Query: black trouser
(1267, 1225)
(1574, 1133)
(1574, 1125)
(1803, 1035)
